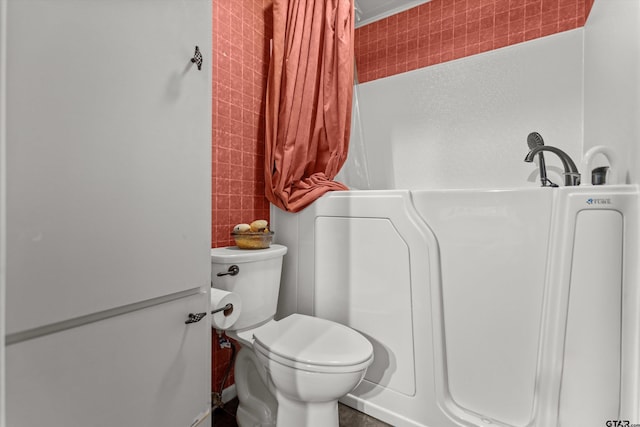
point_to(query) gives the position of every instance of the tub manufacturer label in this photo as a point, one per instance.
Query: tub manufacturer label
(592, 201)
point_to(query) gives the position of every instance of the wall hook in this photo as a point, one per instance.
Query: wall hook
(197, 58)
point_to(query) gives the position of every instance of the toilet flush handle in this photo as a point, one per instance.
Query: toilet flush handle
(232, 271)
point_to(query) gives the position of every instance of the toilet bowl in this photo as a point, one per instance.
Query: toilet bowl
(290, 372)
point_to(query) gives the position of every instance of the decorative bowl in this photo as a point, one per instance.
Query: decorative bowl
(253, 240)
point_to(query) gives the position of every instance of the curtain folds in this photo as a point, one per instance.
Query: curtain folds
(308, 106)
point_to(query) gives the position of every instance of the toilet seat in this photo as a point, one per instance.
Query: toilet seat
(313, 344)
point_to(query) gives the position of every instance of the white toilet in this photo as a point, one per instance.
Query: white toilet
(291, 372)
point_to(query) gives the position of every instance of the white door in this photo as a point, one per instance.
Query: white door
(108, 148)
(106, 189)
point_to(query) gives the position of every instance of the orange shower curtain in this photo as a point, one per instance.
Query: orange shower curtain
(308, 107)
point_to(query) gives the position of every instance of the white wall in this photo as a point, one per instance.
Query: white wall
(612, 83)
(464, 123)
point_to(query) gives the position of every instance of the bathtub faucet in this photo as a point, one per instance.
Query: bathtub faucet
(571, 174)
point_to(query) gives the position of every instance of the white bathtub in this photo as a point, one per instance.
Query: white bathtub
(516, 307)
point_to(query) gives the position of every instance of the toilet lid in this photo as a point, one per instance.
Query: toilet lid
(314, 341)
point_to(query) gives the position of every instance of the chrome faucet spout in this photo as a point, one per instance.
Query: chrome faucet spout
(534, 139)
(571, 174)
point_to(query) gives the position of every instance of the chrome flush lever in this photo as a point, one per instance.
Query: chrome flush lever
(232, 271)
(197, 58)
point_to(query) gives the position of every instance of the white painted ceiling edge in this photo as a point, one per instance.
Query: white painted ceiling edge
(368, 11)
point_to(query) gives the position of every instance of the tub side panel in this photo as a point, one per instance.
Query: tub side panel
(494, 251)
(366, 259)
(363, 280)
(285, 227)
(591, 371)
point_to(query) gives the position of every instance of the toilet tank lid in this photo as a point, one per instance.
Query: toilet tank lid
(233, 254)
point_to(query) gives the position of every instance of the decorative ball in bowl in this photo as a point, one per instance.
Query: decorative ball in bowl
(253, 239)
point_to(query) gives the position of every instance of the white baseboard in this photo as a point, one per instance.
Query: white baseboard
(229, 393)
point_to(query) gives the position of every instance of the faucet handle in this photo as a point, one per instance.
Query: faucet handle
(611, 157)
(572, 178)
(599, 175)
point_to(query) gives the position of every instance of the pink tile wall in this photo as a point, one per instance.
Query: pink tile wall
(442, 30)
(241, 33)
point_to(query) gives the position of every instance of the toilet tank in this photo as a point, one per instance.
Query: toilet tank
(257, 281)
